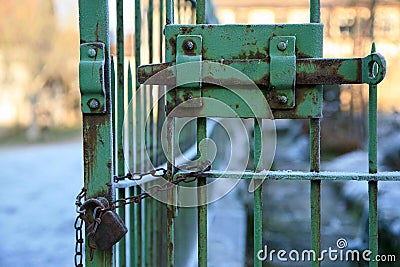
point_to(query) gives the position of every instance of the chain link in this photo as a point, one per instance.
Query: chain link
(119, 203)
(135, 176)
(78, 241)
(78, 201)
(183, 178)
(78, 257)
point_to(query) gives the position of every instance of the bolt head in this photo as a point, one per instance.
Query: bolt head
(91, 52)
(282, 99)
(189, 45)
(94, 103)
(282, 46)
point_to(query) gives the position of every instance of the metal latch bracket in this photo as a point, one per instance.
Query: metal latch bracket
(91, 77)
(282, 71)
(188, 76)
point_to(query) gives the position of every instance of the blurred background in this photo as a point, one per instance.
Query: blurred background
(40, 126)
(40, 49)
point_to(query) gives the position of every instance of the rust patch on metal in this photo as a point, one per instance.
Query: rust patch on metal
(186, 30)
(325, 71)
(300, 54)
(251, 55)
(172, 45)
(91, 140)
(164, 75)
(96, 33)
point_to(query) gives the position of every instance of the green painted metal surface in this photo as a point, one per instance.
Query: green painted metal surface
(202, 190)
(97, 132)
(284, 61)
(91, 77)
(120, 110)
(255, 52)
(257, 195)
(249, 52)
(282, 74)
(315, 150)
(373, 169)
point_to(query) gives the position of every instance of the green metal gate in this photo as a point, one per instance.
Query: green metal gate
(284, 61)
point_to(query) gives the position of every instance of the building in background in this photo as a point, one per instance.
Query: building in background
(350, 28)
(39, 51)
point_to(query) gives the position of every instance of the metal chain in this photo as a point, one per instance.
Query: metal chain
(119, 203)
(78, 258)
(183, 178)
(134, 176)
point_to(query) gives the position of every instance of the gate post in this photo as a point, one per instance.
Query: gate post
(97, 134)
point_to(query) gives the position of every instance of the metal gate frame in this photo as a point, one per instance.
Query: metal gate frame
(104, 103)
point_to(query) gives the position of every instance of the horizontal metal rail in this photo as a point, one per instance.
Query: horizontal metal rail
(298, 175)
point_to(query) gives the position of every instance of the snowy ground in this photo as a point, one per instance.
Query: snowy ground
(40, 183)
(37, 209)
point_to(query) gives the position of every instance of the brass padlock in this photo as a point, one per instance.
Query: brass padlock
(109, 231)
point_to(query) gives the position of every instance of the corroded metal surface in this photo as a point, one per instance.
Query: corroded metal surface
(97, 141)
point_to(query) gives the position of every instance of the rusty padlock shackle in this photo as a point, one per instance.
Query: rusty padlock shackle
(91, 202)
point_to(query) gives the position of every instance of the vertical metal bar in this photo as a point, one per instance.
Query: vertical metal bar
(179, 11)
(161, 29)
(315, 11)
(193, 9)
(150, 203)
(131, 208)
(135, 233)
(160, 105)
(97, 128)
(169, 19)
(147, 226)
(185, 20)
(136, 224)
(257, 192)
(200, 11)
(138, 167)
(122, 242)
(120, 119)
(114, 116)
(201, 182)
(160, 111)
(150, 29)
(202, 198)
(169, 11)
(146, 203)
(170, 208)
(315, 187)
(373, 168)
(138, 35)
(113, 113)
(315, 190)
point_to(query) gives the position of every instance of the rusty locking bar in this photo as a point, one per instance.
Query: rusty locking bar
(311, 71)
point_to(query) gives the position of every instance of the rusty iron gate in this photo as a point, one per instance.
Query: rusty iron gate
(123, 121)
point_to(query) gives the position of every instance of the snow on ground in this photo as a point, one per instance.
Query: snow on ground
(37, 212)
(37, 207)
(357, 191)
